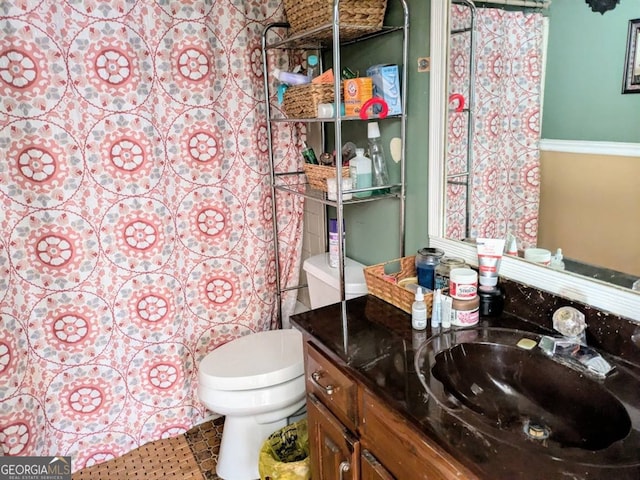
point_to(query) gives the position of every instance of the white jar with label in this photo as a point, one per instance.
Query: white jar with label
(463, 283)
(465, 313)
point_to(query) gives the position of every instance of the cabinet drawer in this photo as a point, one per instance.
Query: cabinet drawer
(335, 390)
(404, 451)
(372, 469)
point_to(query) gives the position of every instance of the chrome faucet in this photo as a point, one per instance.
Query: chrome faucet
(571, 349)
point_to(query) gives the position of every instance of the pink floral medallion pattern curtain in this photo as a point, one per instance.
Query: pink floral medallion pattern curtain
(504, 170)
(135, 214)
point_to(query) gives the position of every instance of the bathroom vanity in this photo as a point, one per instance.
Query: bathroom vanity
(370, 416)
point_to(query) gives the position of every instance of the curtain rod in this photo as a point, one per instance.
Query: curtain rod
(519, 3)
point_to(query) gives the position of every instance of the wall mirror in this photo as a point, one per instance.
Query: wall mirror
(596, 292)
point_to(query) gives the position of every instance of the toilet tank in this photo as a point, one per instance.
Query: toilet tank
(324, 281)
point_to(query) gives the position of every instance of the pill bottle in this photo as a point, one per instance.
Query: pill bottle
(463, 283)
(444, 268)
(465, 313)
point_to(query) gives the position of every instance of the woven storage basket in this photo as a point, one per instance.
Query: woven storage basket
(358, 17)
(301, 101)
(381, 287)
(317, 175)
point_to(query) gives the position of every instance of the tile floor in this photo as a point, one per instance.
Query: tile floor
(192, 455)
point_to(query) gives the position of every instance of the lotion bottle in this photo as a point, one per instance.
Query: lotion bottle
(419, 311)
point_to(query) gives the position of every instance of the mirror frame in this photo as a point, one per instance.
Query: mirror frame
(604, 296)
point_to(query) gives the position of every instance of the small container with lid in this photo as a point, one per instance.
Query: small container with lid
(463, 283)
(427, 259)
(538, 255)
(444, 268)
(465, 313)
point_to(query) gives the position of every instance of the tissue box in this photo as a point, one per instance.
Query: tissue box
(386, 85)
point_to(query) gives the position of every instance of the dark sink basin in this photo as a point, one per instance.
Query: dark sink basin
(492, 395)
(522, 389)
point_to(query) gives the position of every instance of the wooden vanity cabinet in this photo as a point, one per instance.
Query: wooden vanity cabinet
(371, 468)
(354, 435)
(335, 450)
(332, 399)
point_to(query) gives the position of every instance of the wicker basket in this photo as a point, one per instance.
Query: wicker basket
(380, 285)
(358, 17)
(317, 175)
(301, 101)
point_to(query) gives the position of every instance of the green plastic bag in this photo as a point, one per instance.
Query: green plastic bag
(285, 454)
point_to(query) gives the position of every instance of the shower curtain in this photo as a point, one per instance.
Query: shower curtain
(135, 214)
(504, 170)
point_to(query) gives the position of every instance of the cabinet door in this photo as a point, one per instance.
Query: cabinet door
(401, 448)
(334, 451)
(372, 469)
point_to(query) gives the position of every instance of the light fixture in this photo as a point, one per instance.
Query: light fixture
(602, 5)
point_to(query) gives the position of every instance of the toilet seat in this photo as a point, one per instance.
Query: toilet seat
(254, 361)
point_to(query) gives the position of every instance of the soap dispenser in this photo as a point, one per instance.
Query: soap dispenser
(419, 311)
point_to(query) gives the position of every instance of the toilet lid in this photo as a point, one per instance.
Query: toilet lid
(254, 361)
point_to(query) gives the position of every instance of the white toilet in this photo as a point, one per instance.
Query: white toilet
(324, 281)
(256, 382)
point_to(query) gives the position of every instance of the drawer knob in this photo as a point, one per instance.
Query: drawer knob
(315, 377)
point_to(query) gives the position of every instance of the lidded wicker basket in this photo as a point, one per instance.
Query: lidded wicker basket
(359, 16)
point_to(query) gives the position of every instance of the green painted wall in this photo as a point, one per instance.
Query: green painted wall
(372, 229)
(583, 99)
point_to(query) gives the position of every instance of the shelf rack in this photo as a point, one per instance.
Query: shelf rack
(327, 37)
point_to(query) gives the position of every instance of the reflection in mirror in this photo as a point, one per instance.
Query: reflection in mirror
(568, 194)
(578, 120)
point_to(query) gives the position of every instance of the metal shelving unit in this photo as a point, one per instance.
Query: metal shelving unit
(464, 178)
(327, 38)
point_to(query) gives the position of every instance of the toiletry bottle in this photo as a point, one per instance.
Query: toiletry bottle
(360, 172)
(446, 303)
(334, 255)
(436, 309)
(376, 152)
(419, 311)
(313, 69)
(291, 78)
(556, 260)
(309, 155)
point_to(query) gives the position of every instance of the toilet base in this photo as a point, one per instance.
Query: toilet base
(242, 439)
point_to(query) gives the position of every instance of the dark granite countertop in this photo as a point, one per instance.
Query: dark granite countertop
(377, 344)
